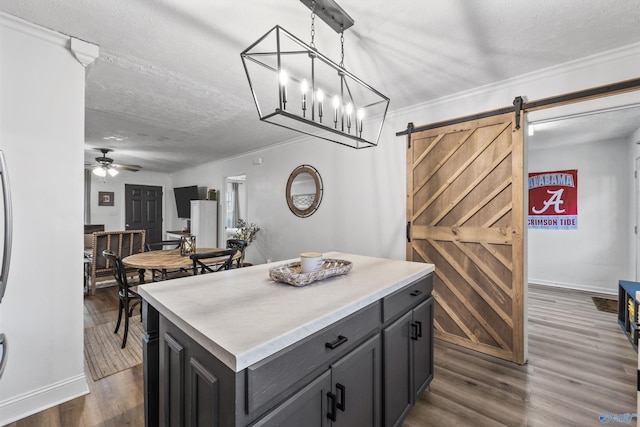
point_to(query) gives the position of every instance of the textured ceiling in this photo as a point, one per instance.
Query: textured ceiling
(169, 90)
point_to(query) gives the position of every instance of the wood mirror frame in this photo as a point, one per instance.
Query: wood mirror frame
(304, 210)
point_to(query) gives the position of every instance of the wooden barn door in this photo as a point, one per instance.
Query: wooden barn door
(465, 208)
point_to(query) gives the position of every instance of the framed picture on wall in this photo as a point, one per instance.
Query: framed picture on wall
(105, 198)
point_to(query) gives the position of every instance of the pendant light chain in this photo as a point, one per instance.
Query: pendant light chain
(313, 20)
(342, 47)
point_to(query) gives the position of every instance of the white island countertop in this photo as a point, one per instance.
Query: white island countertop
(242, 316)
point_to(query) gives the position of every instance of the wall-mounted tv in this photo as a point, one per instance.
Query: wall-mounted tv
(184, 196)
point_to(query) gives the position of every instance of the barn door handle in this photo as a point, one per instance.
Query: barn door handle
(408, 231)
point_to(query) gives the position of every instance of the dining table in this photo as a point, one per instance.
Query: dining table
(169, 260)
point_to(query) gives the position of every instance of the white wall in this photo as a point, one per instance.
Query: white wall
(593, 257)
(113, 217)
(361, 210)
(363, 207)
(42, 135)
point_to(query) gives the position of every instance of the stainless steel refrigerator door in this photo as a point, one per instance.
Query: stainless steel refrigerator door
(3, 353)
(6, 254)
(8, 225)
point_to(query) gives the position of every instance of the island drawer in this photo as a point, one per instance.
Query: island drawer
(403, 299)
(281, 373)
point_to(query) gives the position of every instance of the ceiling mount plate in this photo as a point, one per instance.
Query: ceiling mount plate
(331, 13)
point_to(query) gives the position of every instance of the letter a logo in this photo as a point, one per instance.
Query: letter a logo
(555, 200)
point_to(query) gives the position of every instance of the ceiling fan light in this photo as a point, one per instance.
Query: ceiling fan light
(99, 171)
(112, 172)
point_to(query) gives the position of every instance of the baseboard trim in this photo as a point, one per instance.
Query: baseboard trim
(575, 286)
(22, 406)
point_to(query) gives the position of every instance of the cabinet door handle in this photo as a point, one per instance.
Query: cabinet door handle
(415, 293)
(419, 329)
(332, 406)
(337, 343)
(343, 397)
(414, 331)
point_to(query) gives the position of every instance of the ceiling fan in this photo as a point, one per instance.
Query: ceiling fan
(104, 165)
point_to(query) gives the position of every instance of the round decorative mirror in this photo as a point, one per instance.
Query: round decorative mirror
(304, 191)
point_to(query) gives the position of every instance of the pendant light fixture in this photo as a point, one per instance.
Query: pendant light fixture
(297, 87)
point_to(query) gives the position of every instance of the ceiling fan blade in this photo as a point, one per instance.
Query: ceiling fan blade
(132, 168)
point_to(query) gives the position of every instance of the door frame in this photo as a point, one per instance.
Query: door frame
(244, 201)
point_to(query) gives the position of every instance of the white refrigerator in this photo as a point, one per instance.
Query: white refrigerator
(204, 223)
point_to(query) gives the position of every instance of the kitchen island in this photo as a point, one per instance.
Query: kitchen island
(235, 348)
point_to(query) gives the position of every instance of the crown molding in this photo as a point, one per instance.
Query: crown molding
(83, 51)
(18, 24)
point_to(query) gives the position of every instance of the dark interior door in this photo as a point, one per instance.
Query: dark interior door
(143, 210)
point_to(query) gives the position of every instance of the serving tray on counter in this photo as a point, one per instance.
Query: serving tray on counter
(291, 273)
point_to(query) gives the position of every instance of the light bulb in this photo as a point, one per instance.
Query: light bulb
(284, 77)
(304, 88)
(112, 172)
(283, 88)
(99, 171)
(360, 115)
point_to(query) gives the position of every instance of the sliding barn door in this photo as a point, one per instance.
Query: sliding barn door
(465, 208)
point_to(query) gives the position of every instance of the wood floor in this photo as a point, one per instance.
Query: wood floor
(114, 401)
(580, 365)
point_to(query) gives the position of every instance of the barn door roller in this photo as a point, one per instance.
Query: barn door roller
(517, 103)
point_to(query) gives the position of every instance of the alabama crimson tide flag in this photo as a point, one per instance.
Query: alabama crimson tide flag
(553, 199)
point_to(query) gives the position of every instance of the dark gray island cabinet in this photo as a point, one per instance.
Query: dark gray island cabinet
(359, 353)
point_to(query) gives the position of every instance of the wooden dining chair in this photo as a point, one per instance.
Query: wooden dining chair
(127, 294)
(224, 263)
